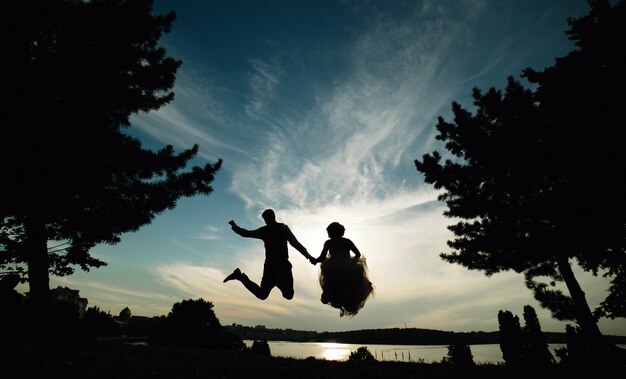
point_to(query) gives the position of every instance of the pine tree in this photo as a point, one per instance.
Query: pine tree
(77, 71)
(459, 354)
(535, 176)
(511, 343)
(535, 347)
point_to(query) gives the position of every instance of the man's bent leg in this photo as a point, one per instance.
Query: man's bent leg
(288, 294)
(260, 292)
(285, 284)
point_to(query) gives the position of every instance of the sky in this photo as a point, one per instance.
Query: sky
(318, 110)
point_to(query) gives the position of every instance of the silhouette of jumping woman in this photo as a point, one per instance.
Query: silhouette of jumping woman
(277, 268)
(343, 278)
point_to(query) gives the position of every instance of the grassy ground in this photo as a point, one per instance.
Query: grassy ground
(24, 359)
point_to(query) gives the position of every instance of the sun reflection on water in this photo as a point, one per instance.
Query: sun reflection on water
(335, 351)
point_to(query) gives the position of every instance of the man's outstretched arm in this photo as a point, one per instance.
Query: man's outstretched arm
(245, 232)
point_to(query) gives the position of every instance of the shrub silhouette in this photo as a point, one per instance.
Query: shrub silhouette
(523, 346)
(192, 323)
(362, 354)
(142, 326)
(97, 323)
(459, 354)
(260, 348)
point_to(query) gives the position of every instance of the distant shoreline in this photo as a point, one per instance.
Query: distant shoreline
(390, 336)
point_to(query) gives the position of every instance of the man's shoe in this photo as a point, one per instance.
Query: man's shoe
(235, 275)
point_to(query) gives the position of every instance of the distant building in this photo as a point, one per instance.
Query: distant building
(66, 294)
(124, 317)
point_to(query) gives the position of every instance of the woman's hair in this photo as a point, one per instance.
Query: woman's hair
(335, 229)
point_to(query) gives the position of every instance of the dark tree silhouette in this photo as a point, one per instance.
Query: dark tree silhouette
(192, 323)
(576, 350)
(361, 354)
(97, 323)
(536, 176)
(535, 346)
(523, 346)
(580, 99)
(260, 347)
(459, 354)
(76, 71)
(11, 309)
(511, 343)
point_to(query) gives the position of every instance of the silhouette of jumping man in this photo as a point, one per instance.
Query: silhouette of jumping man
(277, 268)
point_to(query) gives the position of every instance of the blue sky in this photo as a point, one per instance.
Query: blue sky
(318, 109)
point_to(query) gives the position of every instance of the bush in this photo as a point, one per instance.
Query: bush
(97, 323)
(192, 323)
(260, 348)
(362, 354)
(459, 354)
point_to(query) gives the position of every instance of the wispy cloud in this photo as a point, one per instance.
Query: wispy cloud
(341, 149)
(196, 116)
(211, 233)
(378, 119)
(262, 82)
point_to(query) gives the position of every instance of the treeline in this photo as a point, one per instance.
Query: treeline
(390, 336)
(416, 336)
(410, 336)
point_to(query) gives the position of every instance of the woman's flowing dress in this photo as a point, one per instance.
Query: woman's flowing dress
(345, 283)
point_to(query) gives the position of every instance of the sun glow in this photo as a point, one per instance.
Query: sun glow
(335, 351)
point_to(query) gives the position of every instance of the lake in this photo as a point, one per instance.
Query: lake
(489, 353)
